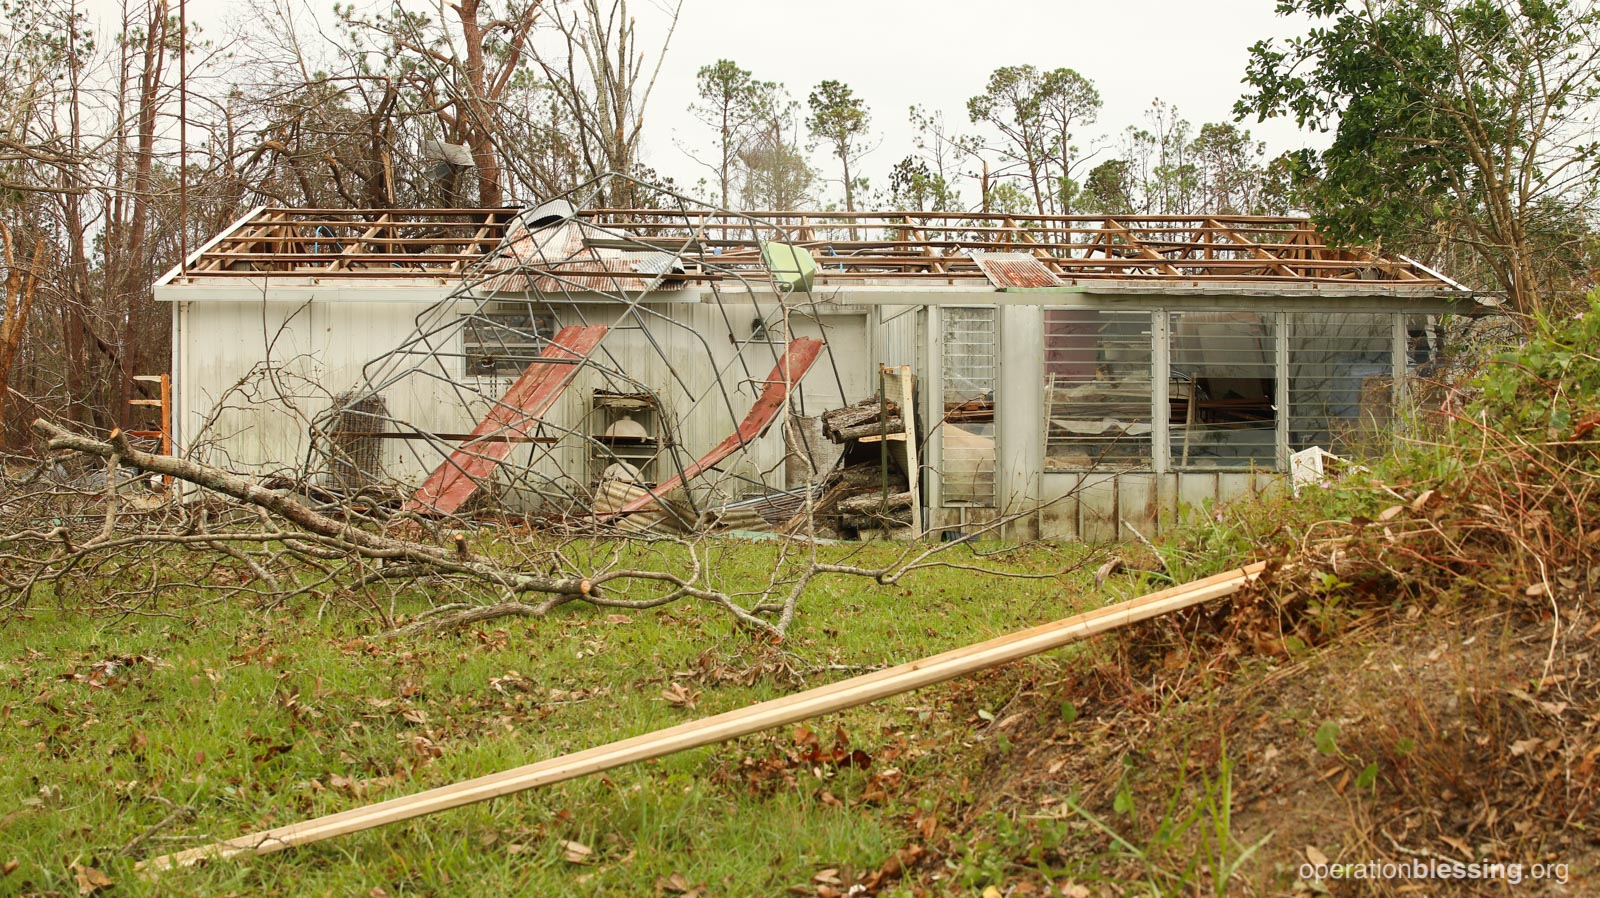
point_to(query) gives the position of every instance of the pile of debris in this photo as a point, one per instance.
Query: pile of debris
(871, 493)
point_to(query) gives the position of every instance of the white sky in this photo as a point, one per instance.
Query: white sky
(896, 53)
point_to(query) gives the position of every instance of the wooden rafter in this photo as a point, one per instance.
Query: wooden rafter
(910, 247)
(360, 243)
(1136, 245)
(1255, 249)
(1039, 252)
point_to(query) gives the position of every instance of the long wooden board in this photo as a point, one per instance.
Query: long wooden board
(793, 365)
(458, 477)
(722, 727)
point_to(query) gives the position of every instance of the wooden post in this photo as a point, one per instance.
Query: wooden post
(166, 416)
(722, 727)
(908, 418)
(164, 427)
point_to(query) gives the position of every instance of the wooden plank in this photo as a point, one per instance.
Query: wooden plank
(908, 415)
(531, 396)
(732, 724)
(354, 249)
(794, 364)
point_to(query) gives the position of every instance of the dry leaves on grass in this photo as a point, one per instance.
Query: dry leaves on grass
(679, 696)
(576, 852)
(678, 884)
(90, 880)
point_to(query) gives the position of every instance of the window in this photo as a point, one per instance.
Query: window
(1340, 381)
(1223, 381)
(501, 339)
(967, 434)
(1097, 372)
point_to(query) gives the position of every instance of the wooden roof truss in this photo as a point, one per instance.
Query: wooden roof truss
(850, 247)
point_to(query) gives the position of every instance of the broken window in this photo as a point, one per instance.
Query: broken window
(502, 340)
(1223, 381)
(1341, 381)
(1097, 383)
(967, 476)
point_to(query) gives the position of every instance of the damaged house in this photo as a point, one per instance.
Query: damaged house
(1070, 373)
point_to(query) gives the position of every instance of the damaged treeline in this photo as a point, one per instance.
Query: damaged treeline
(100, 526)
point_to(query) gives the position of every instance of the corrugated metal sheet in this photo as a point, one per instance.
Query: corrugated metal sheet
(556, 260)
(1015, 270)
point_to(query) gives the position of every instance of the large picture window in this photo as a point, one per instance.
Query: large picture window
(1097, 389)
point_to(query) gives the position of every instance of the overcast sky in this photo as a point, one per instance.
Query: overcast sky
(895, 53)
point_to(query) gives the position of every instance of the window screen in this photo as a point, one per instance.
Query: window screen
(967, 476)
(1097, 374)
(1340, 381)
(1223, 380)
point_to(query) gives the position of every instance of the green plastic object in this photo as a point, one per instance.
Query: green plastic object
(793, 266)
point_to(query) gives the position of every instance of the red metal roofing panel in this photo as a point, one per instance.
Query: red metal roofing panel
(1015, 270)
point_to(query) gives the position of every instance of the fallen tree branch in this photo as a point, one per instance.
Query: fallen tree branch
(360, 542)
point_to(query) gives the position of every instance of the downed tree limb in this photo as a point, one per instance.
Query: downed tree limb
(722, 727)
(332, 530)
(876, 503)
(852, 417)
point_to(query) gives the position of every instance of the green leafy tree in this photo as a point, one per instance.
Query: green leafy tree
(840, 119)
(1108, 189)
(1067, 101)
(1036, 114)
(1469, 121)
(1010, 104)
(949, 156)
(777, 170)
(734, 105)
(915, 186)
(1228, 167)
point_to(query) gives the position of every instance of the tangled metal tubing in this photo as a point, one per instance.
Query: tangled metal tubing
(548, 263)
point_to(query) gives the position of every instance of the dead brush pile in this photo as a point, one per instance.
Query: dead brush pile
(1414, 681)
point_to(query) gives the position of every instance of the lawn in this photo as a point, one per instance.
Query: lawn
(129, 738)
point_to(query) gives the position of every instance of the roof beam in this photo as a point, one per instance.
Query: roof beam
(1134, 244)
(377, 228)
(1254, 248)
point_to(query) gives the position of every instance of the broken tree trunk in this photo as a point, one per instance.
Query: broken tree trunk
(847, 482)
(873, 429)
(860, 419)
(722, 727)
(874, 503)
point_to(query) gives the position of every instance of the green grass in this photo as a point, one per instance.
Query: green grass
(255, 719)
